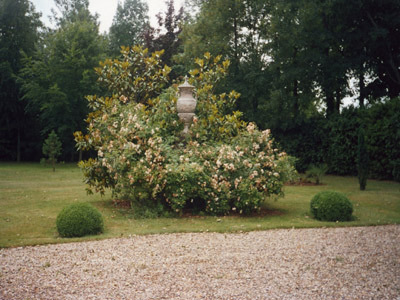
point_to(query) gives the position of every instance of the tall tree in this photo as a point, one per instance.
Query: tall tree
(383, 17)
(306, 53)
(291, 96)
(72, 11)
(342, 39)
(236, 29)
(166, 37)
(369, 31)
(60, 74)
(313, 59)
(214, 29)
(129, 25)
(19, 24)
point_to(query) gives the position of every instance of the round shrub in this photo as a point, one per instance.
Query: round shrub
(79, 219)
(331, 206)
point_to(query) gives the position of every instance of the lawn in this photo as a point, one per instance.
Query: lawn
(31, 196)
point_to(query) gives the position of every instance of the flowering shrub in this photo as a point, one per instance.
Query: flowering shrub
(223, 165)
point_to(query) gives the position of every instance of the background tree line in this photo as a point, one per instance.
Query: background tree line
(47, 72)
(294, 62)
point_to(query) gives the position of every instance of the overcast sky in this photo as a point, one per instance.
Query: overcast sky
(106, 10)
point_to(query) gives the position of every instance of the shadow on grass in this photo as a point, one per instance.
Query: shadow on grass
(124, 209)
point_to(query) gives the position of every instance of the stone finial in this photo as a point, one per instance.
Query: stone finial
(186, 104)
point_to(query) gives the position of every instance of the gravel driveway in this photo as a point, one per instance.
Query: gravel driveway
(341, 263)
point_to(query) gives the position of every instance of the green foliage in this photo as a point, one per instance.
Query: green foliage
(167, 37)
(216, 119)
(138, 76)
(340, 137)
(56, 78)
(212, 31)
(382, 134)
(52, 148)
(129, 24)
(237, 30)
(307, 142)
(78, 220)
(19, 24)
(291, 98)
(373, 46)
(334, 141)
(223, 165)
(331, 206)
(291, 61)
(72, 11)
(396, 170)
(324, 54)
(317, 172)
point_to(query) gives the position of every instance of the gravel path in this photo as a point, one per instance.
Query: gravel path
(341, 263)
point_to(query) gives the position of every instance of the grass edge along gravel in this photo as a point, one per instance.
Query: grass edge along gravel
(31, 196)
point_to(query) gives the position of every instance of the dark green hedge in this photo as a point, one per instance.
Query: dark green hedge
(341, 141)
(306, 142)
(334, 141)
(383, 139)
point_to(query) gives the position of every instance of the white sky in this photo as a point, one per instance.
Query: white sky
(106, 10)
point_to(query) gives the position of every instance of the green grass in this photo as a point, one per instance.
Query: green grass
(31, 196)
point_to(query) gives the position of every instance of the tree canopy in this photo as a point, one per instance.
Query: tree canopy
(19, 31)
(297, 64)
(60, 73)
(129, 25)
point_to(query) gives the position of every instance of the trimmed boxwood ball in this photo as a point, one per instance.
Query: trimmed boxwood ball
(331, 206)
(79, 219)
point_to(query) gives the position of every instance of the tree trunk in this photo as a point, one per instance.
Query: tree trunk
(235, 64)
(362, 87)
(236, 37)
(338, 101)
(296, 99)
(295, 88)
(362, 154)
(330, 103)
(362, 159)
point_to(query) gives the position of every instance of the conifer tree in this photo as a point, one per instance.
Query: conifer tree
(362, 159)
(52, 148)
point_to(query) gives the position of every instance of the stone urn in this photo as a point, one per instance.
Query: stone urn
(186, 104)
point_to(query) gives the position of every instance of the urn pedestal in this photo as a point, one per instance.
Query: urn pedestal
(186, 104)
